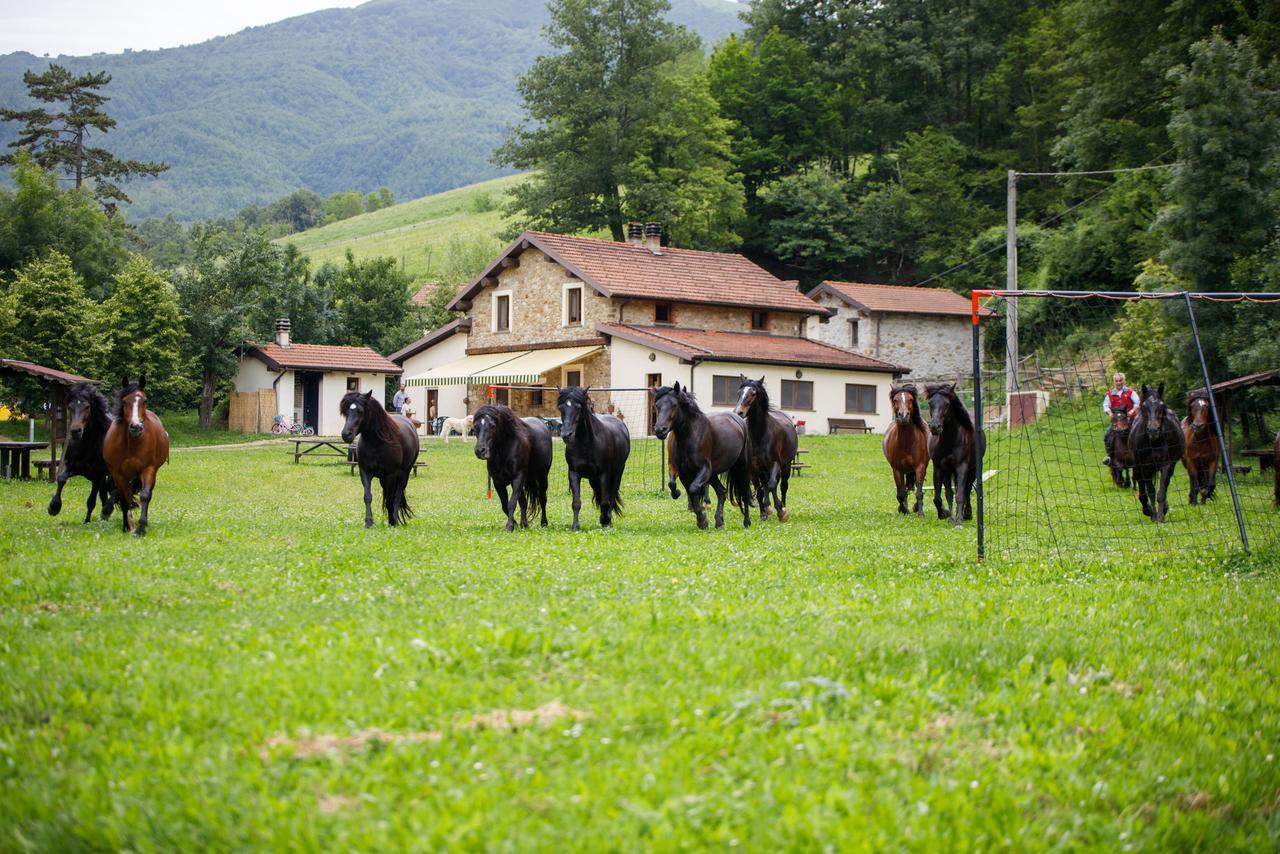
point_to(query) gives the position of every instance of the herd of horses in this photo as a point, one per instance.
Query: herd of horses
(119, 445)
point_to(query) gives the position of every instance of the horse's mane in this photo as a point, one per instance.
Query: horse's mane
(759, 413)
(99, 406)
(503, 418)
(384, 426)
(960, 410)
(910, 388)
(578, 395)
(117, 400)
(687, 400)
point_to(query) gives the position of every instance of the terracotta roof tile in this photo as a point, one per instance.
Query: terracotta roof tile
(900, 299)
(709, 345)
(325, 357)
(676, 275)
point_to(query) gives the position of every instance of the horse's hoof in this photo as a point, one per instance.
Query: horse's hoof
(784, 514)
(368, 524)
(139, 531)
(702, 523)
(55, 507)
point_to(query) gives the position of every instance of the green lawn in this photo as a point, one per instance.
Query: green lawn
(262, 672)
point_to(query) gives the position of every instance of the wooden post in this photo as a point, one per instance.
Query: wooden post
(1011, 283)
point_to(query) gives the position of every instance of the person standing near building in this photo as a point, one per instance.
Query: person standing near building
(397, 402)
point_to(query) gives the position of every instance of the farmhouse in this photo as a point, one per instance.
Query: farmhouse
(929, 328)
(302, 382)
(554, 310)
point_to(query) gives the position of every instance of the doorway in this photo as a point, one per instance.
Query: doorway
(310, 400)
(652, 381)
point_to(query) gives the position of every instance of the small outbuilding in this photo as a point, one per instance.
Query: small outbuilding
(303, 383)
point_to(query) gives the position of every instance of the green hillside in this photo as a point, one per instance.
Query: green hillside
(419, 232)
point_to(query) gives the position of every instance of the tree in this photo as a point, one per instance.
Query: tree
(299, 210)
(48, 320)
(292, 292)
(1146, 338)
(379, 199)
(585, 103)
(341, 206)
(141, 328)
(59, 141)
(371, 299)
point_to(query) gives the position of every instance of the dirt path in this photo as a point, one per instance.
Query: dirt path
(232, 446)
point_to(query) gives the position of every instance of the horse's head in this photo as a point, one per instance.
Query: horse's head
(941, 397)
(133, 404)
(575, 406)
(667, 414)
(354, 408)
(80, 406)
(1199, 413)
(905, 406)
(486, 426)
(1120, 422)
(1151, 410)
(750, 393)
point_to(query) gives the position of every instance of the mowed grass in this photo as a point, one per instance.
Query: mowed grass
(418, 232)
(262, 672)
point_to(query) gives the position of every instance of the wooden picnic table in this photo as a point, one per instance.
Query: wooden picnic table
(1265, 457)
(796, 465)
(318, 446)
(15, 458)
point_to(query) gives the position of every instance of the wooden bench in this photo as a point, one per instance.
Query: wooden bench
(52, 465)
(1266, 457)
(851, 425)
(796, 465)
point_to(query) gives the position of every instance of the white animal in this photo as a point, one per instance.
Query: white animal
(461, 425)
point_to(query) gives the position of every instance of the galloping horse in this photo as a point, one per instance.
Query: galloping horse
(1200, 458)
(595, 447)
(704, 447)
(1157, 444)
(518, 454)
(135, 447)
(954, 445)
(1121, 455)
(906, 446)
(89, 419)
(1275, 470)
(773, 445)
(388, 449)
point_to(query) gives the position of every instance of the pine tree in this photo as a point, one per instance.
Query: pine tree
(60, 141)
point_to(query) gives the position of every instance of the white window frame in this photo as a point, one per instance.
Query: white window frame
(564, 304)
(564, 374)
(493, 311)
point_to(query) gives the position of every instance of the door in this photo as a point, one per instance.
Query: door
(433, 408)
(652, 381)
(311, 401)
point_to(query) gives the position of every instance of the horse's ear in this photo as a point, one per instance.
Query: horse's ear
(952, 386)
(369, 394)
(142, 382)
(1144, 389)
(762, 380)
(675, 386)
(124, 381)
(1160, 391)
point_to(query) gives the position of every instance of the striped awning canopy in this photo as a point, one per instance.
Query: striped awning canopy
(523, 367)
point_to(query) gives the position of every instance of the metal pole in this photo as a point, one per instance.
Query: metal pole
(1011, 284)
(1217, 424)
(977, 418)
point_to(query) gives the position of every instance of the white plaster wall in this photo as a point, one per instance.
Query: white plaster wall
(284, 398)
(253, 375)
(630, 369)
(332, 387)
(452, 398)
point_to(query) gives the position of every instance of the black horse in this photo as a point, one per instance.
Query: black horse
(1121, 456)
(705, 447)
(595, 447)
(954, 445)
(518, 454)
(388, 449)
(89, 417)
(1157, 443)
(773, 445)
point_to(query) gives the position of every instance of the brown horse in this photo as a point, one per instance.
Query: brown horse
(134, 449)
(773, 445)
(906, 446)
(1203, 450)
(1121, 455)
(705, 447)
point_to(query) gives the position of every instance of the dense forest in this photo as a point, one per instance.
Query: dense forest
(399, 93)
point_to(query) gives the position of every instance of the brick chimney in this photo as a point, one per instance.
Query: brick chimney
(635, 233)
(653, 237)
(282, 331)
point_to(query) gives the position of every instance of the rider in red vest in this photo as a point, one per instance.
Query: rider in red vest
(1119, 398)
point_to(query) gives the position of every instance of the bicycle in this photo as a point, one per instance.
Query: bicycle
(283, 425)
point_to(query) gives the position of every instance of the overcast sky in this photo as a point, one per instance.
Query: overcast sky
(79, 27)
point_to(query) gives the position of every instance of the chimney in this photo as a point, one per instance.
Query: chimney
(635, 233)
(282, 331)
(653, 237)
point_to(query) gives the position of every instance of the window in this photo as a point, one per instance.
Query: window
(853, 334)
(759, 319)
(724, 390)
(502, 396)
(572, 376)
(662, 312)
(535, 397)
(860, 398)
(797, 394)
(353, 383)
(572, 305)
(502, 312)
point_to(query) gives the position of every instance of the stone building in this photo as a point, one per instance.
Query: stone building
(554, 310)
(930, 329)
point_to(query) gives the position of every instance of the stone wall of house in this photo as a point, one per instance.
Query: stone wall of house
(596, 370)
(537, 306)
(835, 330)
(720, 317)
(930, 345)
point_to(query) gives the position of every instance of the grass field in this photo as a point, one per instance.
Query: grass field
(262, 672)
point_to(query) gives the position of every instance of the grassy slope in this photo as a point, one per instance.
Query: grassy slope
(418, 231)
(849, 679)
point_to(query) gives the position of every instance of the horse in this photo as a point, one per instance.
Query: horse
(1275, 470)
(89, 418)
(595, 447)
(135, 447)
(1200, 458)
(705, 447)
(906, 446)
(954, 445)
(673, 470)
(461, 425)
(517, 452)
(388, 449)
(1157, 443)
(1121, 456)
(773, 445)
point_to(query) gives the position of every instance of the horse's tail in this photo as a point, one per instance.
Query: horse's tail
(535, 493)
(406, 512)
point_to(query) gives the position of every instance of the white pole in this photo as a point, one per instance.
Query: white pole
(1011, 284)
